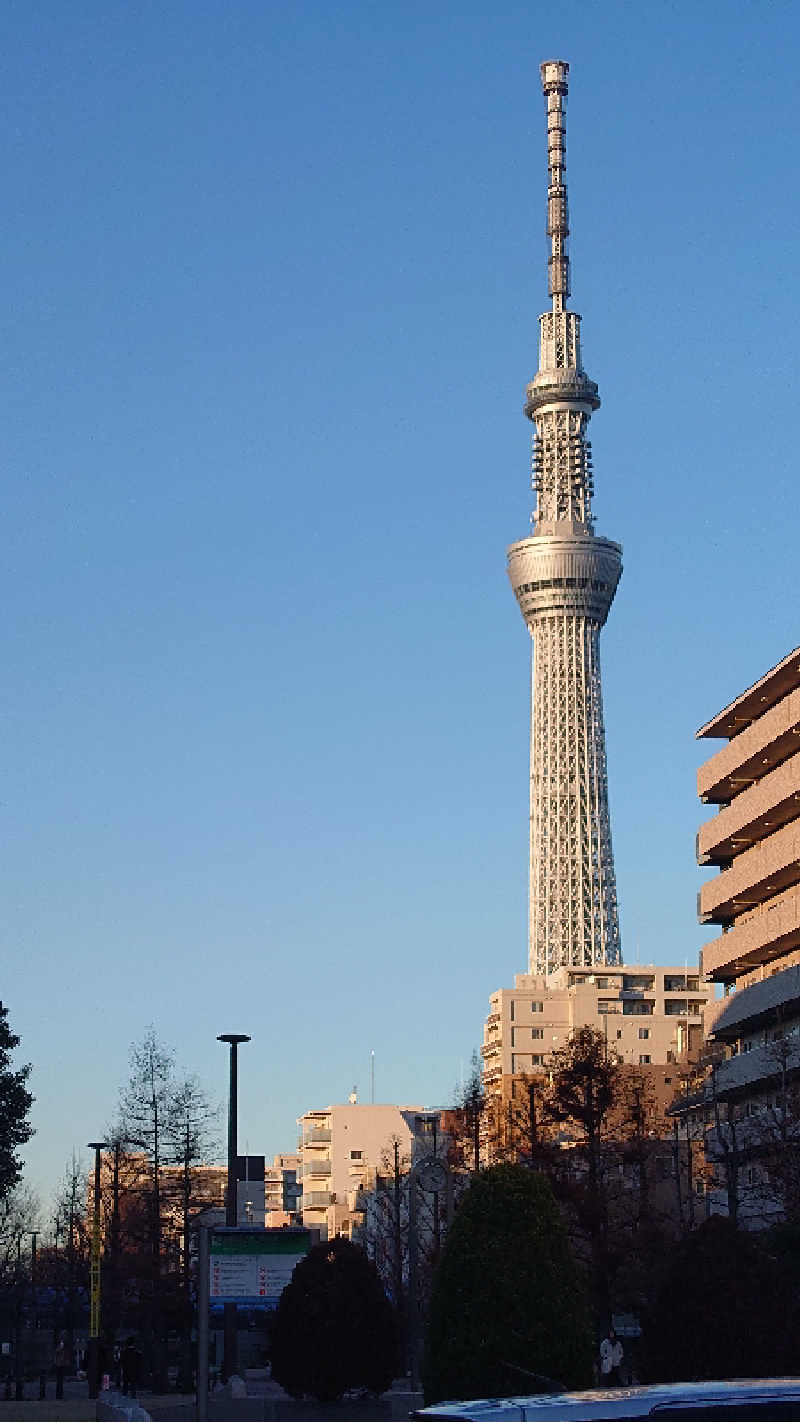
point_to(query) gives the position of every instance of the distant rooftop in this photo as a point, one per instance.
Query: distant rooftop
(758, 698)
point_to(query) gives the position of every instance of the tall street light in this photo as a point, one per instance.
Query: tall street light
(231, 1212)
(93, 1350)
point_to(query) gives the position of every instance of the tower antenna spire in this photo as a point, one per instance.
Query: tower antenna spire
(555, 73)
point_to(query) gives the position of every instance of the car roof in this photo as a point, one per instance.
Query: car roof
(618, 1401)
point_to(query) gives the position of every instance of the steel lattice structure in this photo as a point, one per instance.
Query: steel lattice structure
(564, 577)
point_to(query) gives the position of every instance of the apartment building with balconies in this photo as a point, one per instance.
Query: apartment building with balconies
(282, 1191)
(650, 1015)
(753, 839)
(341, 1148)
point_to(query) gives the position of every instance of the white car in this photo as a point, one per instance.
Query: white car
(740, 1400)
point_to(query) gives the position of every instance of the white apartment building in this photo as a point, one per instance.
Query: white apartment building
(340, 1149)
(650, 1015)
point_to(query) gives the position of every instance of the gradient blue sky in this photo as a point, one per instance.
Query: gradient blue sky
(272, 279)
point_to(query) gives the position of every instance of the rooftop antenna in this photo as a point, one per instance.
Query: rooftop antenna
(372, 1078)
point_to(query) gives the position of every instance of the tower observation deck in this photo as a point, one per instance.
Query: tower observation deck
(564, 578)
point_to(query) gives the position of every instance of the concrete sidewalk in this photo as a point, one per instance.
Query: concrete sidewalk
(265, 1402)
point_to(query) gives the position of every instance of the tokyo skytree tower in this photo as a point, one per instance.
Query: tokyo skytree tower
(564, 578)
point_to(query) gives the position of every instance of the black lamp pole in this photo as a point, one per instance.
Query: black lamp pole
(229, 1364)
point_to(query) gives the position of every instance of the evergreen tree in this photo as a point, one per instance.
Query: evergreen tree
(509, 1311)
(334, 1327)
(15, 1103)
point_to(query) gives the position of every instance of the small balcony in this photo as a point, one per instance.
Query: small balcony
(317, 1200)
(316, 1167)
(316, 1135)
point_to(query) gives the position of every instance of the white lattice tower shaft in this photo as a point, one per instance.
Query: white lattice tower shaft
(564, 578)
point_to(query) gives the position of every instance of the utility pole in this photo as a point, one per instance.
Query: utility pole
(93, 1360)
(689, 1171)
(437, 1228)
(398, 1251)
(676, 1151)
(19, 1372)
(532, 1125)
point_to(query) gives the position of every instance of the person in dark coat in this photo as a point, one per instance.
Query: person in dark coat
(131, 1360)
(62, 1361)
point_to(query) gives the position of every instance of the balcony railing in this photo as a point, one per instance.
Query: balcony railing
(316, 1167)
(317, 1200)
(316, 1135)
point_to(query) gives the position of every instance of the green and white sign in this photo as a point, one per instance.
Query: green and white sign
(253, 1266)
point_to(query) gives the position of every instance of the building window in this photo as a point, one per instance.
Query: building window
(644, 1059)
(537, 1007)
(537, 1033)
(511, 1014)
(355, 1155)
(644, 1033)
(537, 1060)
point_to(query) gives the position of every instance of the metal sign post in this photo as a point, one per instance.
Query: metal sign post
(202, 1325)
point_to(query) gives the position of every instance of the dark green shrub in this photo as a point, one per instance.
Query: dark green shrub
(334, 1326)
(723, 1308)
(507, 1292)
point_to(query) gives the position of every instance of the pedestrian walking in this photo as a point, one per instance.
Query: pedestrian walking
(611, 1356)
(61, 1361)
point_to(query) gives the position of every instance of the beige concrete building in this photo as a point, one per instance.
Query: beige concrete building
(342, 1147)
(754, 841)
(652, 1016)
(282, 1191)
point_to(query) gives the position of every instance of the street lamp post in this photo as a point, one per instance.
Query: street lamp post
(233, 1039)
(93, 1350)
(19, 1371)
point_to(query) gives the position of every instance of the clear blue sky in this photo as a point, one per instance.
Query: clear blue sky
(272, 276)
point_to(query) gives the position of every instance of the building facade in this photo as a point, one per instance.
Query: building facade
(342, 1148)
(282, 1191)
(750, 1096)
(651, 1017)
(564, 578)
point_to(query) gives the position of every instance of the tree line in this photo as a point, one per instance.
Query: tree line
(155, 1179)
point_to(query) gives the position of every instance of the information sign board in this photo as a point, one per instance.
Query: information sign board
(253, 1266)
